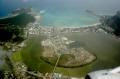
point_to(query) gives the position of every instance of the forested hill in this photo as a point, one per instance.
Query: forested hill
(113, 22)
(12, 27)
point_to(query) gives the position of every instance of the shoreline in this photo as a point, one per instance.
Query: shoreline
(85, 26)
(36, 28)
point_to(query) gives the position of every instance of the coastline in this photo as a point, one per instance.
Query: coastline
(85, 26)
(55, 30)
(36, 28)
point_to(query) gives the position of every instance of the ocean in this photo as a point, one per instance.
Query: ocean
(67, 19)
(64, 17)
(70, 18)
(63, 13)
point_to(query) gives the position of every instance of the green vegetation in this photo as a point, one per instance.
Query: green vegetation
(112, 22)
(107, 54)
(63, 60)
(12, 28)
(50, 60)
(21, 20)
(30, 55)
(17, 56)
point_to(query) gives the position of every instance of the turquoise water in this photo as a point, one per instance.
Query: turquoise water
(63, 18)
(60, 17)
(70, 13)
(67, 19)
(71, 18)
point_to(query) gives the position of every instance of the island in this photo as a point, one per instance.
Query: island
(32, 47)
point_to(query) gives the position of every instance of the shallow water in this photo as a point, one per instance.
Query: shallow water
(105, 47)
(70, 13)
(67, 19)
(71, 17)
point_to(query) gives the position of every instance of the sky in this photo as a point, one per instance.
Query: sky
(6, 6)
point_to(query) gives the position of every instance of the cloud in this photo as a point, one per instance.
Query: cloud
(42, 11)
(2, 59)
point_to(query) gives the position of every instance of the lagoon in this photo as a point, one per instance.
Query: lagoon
(104, 46)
